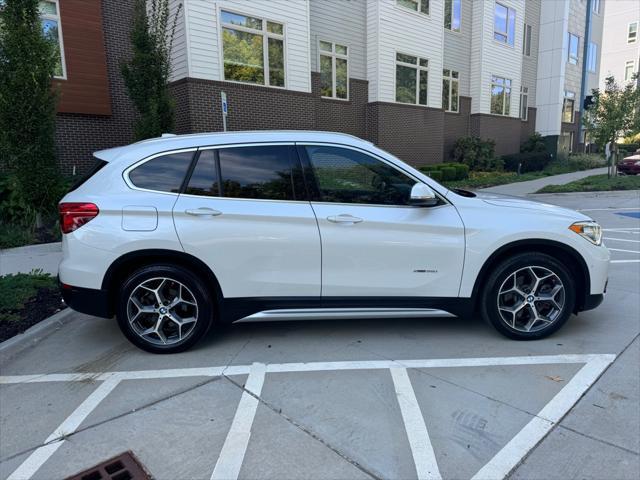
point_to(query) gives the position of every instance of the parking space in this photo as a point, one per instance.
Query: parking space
(411, 398)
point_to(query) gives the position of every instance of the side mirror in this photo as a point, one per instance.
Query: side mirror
(422, 196)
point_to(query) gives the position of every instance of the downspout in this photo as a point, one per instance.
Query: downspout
(585, 58)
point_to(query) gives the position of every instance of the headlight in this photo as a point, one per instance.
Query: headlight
(589, 230)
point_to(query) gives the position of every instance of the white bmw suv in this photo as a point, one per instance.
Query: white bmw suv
(175, 234)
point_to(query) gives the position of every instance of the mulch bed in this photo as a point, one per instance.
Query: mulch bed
(45, 303)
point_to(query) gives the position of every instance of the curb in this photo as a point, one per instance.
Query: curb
(14, 345)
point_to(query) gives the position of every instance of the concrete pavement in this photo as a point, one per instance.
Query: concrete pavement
(524, 188)
(45, 257)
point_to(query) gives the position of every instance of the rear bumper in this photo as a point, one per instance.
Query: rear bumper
(87, 300)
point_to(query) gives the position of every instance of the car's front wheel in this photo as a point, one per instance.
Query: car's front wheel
(164, 309)
(528, 296)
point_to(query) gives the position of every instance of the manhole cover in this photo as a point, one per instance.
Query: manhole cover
(123, 467)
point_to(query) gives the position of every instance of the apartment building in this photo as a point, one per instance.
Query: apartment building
(620, 42)
(409, 75)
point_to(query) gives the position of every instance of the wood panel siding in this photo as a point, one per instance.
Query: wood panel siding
(86, 89)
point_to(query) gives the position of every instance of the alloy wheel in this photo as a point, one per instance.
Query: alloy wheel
(531, 298)
(162, 311)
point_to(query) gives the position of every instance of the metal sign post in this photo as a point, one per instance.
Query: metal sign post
(223, 97)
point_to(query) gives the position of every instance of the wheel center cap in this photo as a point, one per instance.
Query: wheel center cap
(530, 299)
(163, 310)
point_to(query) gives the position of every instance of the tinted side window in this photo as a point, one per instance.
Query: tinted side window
(165, 173)
(257, 172)
(349, 176)
(204, 179)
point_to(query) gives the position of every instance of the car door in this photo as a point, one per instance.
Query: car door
(373, 242)
(244, 213)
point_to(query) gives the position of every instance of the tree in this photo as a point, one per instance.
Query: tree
(28, 60)
(614, 112)
(146, 75)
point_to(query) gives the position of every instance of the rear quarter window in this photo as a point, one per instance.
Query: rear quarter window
(164, 173)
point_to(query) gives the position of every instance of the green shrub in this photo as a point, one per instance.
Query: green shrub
(448, 173)
(527, 162)
(535, 143)
(476, 153)
(462, 171)
(436, 175)
(628, 147)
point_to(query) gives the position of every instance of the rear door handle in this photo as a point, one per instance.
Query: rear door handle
(344, 218)
(203, 212)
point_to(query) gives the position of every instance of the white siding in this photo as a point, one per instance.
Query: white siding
(457, 48)
(576, 25)
(373, 48)
(530, 64)
(615, 49)
(343, 22)
(552, 54)
(179, 55)
(491, 58)
(405, 31)
(204, 37)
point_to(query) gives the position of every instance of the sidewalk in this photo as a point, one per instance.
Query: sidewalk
(520, 189)
(24, 259)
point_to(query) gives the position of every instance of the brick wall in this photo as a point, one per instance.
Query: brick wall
(77, 135)
(504, 130)
(411, 132)
(528, 128)
(456, 125)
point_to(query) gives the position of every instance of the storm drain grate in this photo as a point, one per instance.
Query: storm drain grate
(123, 467)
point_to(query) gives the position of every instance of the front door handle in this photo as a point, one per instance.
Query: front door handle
(203, 212)
(344, 218)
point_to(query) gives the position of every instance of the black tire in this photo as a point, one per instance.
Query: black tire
(196, 290)
(489, 300)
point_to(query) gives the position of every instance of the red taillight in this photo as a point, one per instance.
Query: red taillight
(75, 214)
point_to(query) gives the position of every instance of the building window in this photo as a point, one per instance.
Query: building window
(334, 70)
(595, 6)
(500, 95)
(526, 40)
(574, 43)
(504, 24)
(632, 32)
(566, 142)
(524, 103)
(452, 15)
(253, 50)
(412, 77)
(50, 19)
(592, 57)
(450, 90)
(629, 70)
(421, 6)
(567, 106)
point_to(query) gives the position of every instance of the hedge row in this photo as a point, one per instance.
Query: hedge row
(526, 162)
(446, 171)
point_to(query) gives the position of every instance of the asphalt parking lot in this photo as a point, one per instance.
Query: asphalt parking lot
(414, 398)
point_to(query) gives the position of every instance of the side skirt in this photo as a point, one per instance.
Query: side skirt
(293, 308)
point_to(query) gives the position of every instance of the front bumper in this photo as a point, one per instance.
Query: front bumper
(87, 300)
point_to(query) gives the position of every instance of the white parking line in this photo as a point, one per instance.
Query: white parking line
(235, 445)
(624, 261)
(620, 250)
(622, 239)
(34, 461)
(307, 367)
(512, 453)
(233, 451)
(605, 209)
(423, 455)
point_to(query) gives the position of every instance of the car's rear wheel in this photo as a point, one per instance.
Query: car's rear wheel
(528, 296)
(164, 309)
